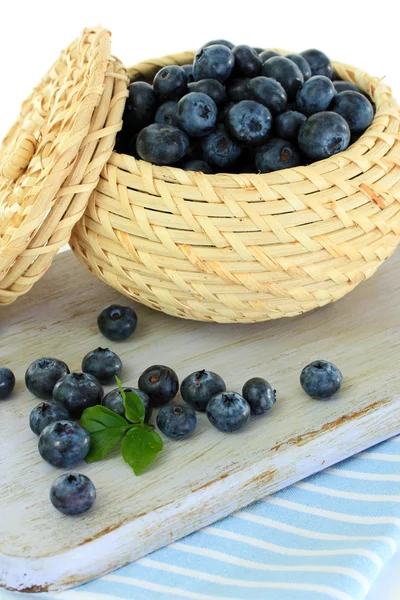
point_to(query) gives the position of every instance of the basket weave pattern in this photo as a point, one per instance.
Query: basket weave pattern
(246, 248)
(52, 157)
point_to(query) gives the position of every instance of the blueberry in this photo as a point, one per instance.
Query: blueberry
(219, 150)
(228, 411)
(269, 92)
(189, 72)
(197, 114)
(303, 65)
(258, 49)
(275, 155)
(7, 382)
(267, 54)
(160, 383)
(64, 443)
(43, 374)
(103, 364)
(286, 72)
(224, 111)
(319, 62)
(249, 122)
(170, 83)
(213, 62)
(162, 144)
(78, 391)
(219, 43)
(45, 413)
(321, 379)
(287, 125)
(125, 142)
(237, 90)
(211, 87)
(355, 108)
(117, 322)
(140, 106)
(113, 401)
(166, 113)
(259, 394)
(247, 61)
(346, 86)
(72, 494)
(323, 135)
(176, 421)
(198, 388)
(315, 95)
(197, 165)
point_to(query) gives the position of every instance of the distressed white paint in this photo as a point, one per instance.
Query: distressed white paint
(197, 481)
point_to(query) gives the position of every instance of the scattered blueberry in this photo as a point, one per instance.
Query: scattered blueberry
(43, 374)
(228, 411)
(166, 113)
(275, 155)
(287, 125)
(267, 54)
(103, 364)
(113, 401)
(197, 114)
(213, 62)
(236, 90)
(7, 382)
(355, 108)
(160, 383)
(117, 322)
(247, 61)
(258, 49)
(162, 144)
(64, 443)
(176, 421)
(198, 388)
(45, 413)
(249, 122)
(197, 165)
(219, 43)
(269, 92)
(319, 62)
(321, 379)
(303, 65)
(211, 87)
(315, 95)
(259, 394)
(286, 72)
(323, 134)
(78, 391)
(72, 494)
(170, 83)
(219, 150)
(140, 106)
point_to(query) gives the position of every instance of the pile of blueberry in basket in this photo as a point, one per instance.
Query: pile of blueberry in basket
(241, 109)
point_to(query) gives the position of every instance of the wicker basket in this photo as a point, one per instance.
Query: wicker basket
(245, 248)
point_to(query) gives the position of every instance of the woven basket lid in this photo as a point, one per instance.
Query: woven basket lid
(51, 159)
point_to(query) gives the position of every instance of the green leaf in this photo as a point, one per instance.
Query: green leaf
(106, 429)
(102, 443)
(134, 407)
(139, 447)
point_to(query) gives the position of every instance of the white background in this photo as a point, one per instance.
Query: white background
(357, 32)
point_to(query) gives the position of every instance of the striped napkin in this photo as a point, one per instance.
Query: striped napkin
(325, 537)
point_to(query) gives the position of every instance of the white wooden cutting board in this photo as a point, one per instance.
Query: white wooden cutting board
(196, 481)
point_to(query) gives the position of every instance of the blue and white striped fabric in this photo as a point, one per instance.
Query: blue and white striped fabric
(325, 537)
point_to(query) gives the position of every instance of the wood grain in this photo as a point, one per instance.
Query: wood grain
(199, 480)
